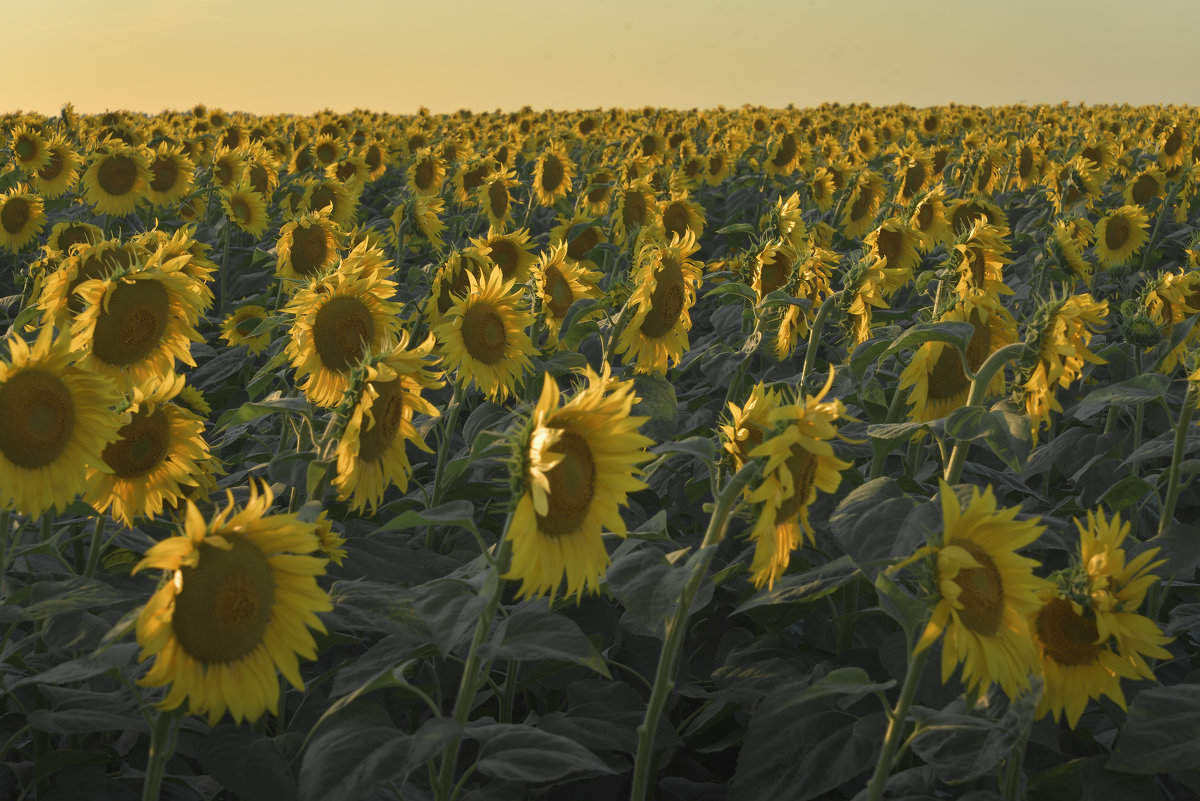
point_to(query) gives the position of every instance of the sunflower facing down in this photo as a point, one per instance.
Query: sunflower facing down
(799, 461)
(485, 335)
(1087, 630)
(577, 464)
(55, 419)
(986, 593)
(371, 454)
(157, 453)
(666, 289)
(239, 595)
(338, 319)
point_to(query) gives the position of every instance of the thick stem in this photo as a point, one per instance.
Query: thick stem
(664, 678)
(814, 336)
(469, 683)
(895, 729)
(162, 748)
(93, 557)
(1174, 487)
(979, 386)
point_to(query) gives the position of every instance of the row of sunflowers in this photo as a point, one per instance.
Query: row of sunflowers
(602, 453)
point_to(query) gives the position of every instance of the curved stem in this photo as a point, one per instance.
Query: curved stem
(1174, 487)
(664, 679)
(895, 729)
(814, 336)
(979, 385)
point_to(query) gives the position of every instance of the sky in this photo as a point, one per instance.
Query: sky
(302, 56)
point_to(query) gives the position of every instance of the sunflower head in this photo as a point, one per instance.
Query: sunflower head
(666, 289)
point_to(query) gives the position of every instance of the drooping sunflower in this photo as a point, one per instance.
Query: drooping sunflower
(484, 335)
(246, 209)
(914, 172)
(1120, 235)
(979, 261)
(239, 596)
(238, 328)
(307, 246)
(137, 321)
(22, 218)
(799, 462)
(858, 215)
(55, 419)
(424, 212)
(116, 178)
(1027, 169)
(1060, 333)
(339, 318)
(59, 175)
(935, 373)
(559, 281)
(156, 454)
(986, 593)
(666, 280)
(1068, 239)
(718, 166)
(774, 267)
(863, 290)
(1087, 630)
(577, 464)
(964, 213)
(749, 423)
(371, 454)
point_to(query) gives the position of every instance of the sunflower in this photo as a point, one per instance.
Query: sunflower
(227, 166)
(327, 149)
(821, 188)
(985, 593)
(450, 280)
(485, 335)
(156, 453)
(897, 243)
(914, 172)
(862, 205)
(558, 282)
(29, 149)
(935, 373)
(236, 604)
(749, 423)
(116, 179)
(577, 463)
(1147, 185)
(246, 209)
(598, 193)
(1087, 630)
(1068, 238)
(1059, 333)
(426, 173)
(1171, 150)
(22, 218)
(717, 167)
(330, 196)
(471, 176)
(552, 175)
(55, 419)
(59, 175)
(137, 321)
(636, 209)
(65, 235)
(774, 267)
(863, 290)
(371, 453)
(307, 246)
(339, 318)
(1120, 235)
(784, 222)
(172, 174)
(58, 299)
(980, 258)
(495, 198)
(1027, 170)
(929, 219)
(510, 252)
(238, 328)
(666, 281)
(799, 461)
(679, 215)
(784, 156)
(425, 211)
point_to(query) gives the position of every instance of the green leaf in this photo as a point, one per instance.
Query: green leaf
(888, 432)
(525, 754)
(85, 721)
(1127, 492)
(1161, 732)
(253, 410)
(702, 448)
(738, 228)
(1131, 392)
(956, 334)
(649, 586)
(866, 521)
(810, 585)
(454, 513)
(116, 657)
(852, 681)
(900, 605)
(868, 352)
(247, 764)
(534, 632)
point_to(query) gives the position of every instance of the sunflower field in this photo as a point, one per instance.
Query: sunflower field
(752, 454)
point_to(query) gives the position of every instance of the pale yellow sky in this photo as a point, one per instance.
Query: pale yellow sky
(303, 55)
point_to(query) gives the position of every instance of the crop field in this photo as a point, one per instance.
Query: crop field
(830, 453)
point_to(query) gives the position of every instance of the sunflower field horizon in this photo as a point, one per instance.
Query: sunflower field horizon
(842, 452)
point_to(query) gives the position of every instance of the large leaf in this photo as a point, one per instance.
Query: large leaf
(955, 334)
(866, 521)
(526, 754)
(810, 585)
(247, 763)
(534, 632)
(1161, 732)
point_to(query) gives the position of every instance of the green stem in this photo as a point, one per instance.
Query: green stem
(664, 679)
(979, 385)
(895, 729)
(1163, 209)
(469, 683)
(456, 402)
(1174, 486)
(1016, 761)
(93, 557)
(880, 458)
(162, 748)
(814, 336)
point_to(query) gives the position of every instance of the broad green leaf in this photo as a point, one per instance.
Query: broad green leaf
(525, 754)
(454, 513)
(1161, 732)
(253, 410)
(810, 585)
(1131, 392)
(956, 334)
(247, 764)
(534, 632)
(900, 605)
(866, 521)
